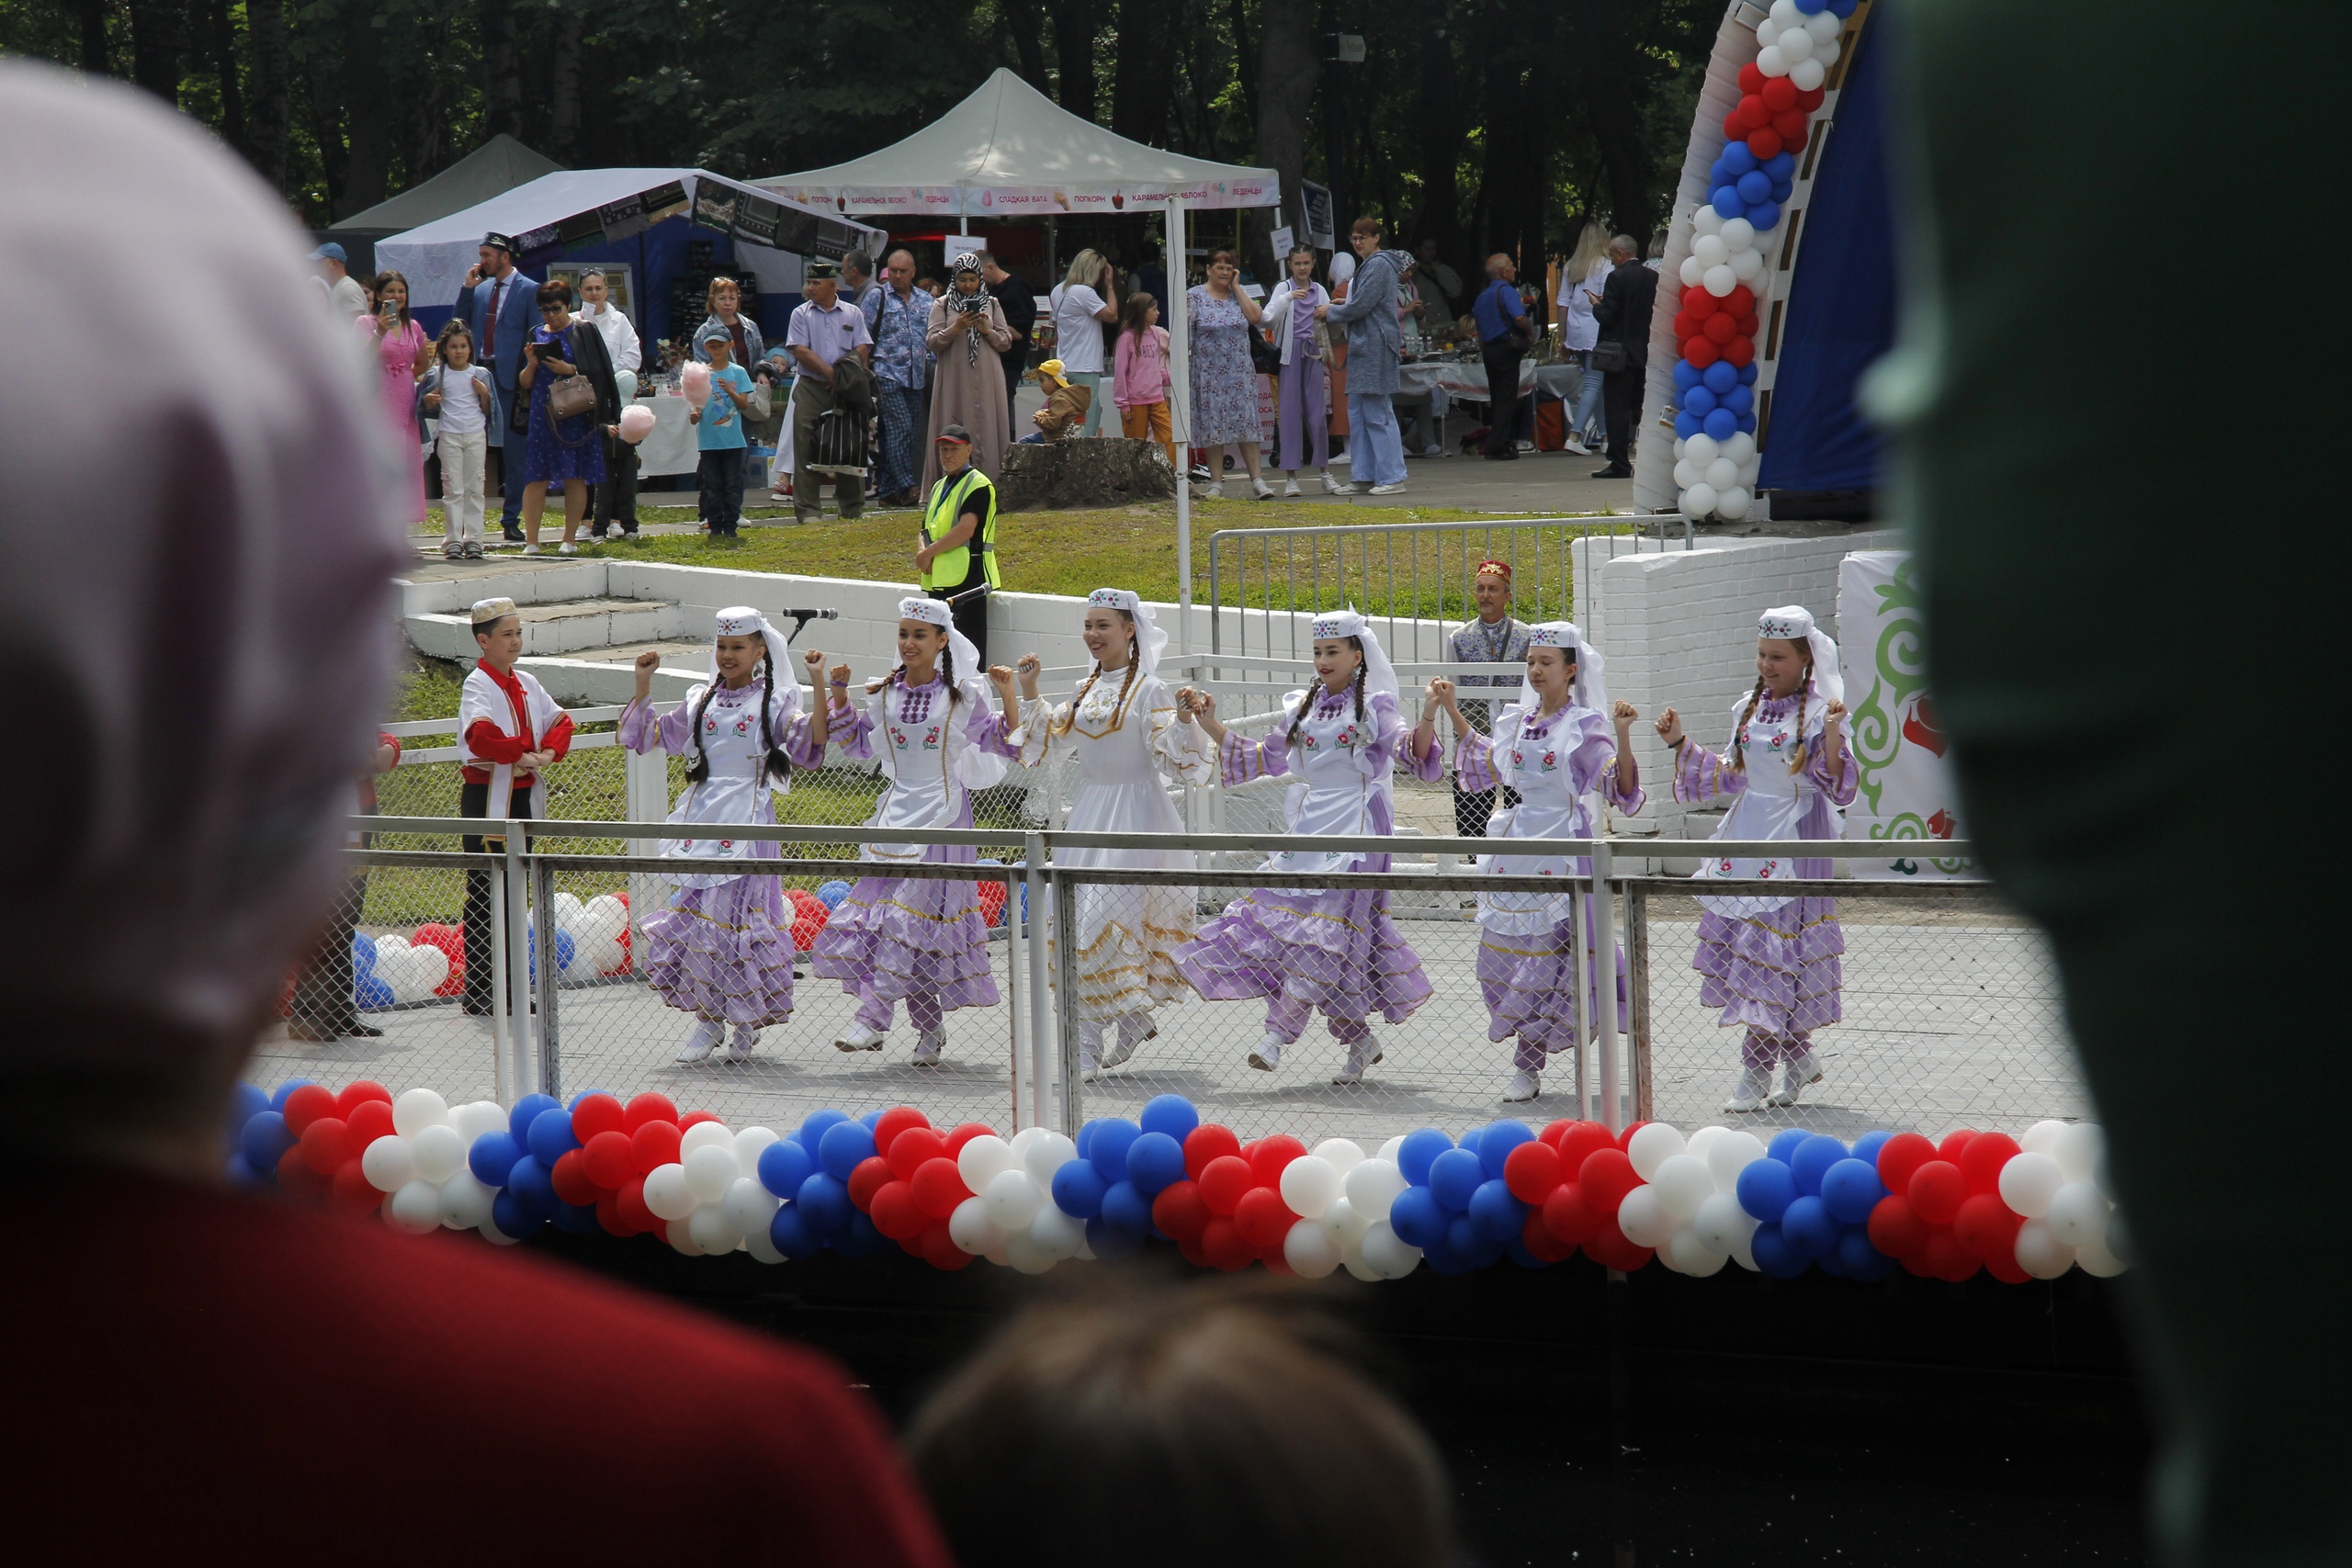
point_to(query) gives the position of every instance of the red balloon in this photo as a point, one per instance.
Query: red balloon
(1720, 327)
(596, 1113)
(1699, 302)
(648, 1107)
(1580, 1140)
(1271, 1157)
(609, 1159)
(1986, 1226)
(1779, 93)
(1789, 123)
(809, 920)
(326, 1144)
(866, 1180)
(1571, 1220)
(895, 1213)
(1610, 1248)
(1225, 1248)
(1946, 1258)
(360, 1093)
(1792, 143)
(655, 1143)
(939, 1186)
(1764, 144)
(1685, 325)
(629, 1202)
(1735, 127)
(1740, 302)
(609, 1214)
(570, 1180)
(1955, 1145)
(1753, 115)
(306, 1105)
(1263, 1220)
(1208, 1142)
(1740, 352)
(1937, 1191)
(1531, 1171)
(1191, 1252)
(1224, 1180)
(965, 1134)
(1179, 1211)
(1895, 1227)
(893, 1121)
(2005, 1269)
(696, 1118)
(1277, 1264)
(451, 941)
(296, 1179)
(1551, 1136)
(1751, 80)
(1537, 1238)
(938, 1248)
(1605, 1178)
(1624, 1138)
(1748, 326)
(1702, 351)
(1899, 1156)
(914, 1149)
(352, 1193)
(992, 902)
(1812, 98)
(1981, 1162)
(369, 1120)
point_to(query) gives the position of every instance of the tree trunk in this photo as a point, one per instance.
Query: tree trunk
(1144, 77)
(96, 58)
(1027, 26)
(1287, 72)
(367, 173)
(155, 43)
(428, 111)
(1245, 63)
(502, 63)
(1437, 121)
(272, 81)
(224, 64)
(564, 96)
(1074, 53)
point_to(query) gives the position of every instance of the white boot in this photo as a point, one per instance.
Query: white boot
(1089, 1051)
(930, 1044)
(1796, 1073)
(701, 1040)
(1362, 1054)
(859, 1038)
(1290, 485)
(739, 1049)
(1524, 1086)
(1267, 1055)
(1333, 487)
(1752, 1091)
(1134, 1030)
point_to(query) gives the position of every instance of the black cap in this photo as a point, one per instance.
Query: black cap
(955, 433)
(818, 270)
(504, 242)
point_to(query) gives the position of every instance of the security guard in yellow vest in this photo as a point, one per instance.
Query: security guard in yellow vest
(952, 562)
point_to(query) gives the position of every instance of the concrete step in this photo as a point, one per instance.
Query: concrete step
(563, 627)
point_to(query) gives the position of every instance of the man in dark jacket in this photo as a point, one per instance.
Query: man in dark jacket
(1623, 316)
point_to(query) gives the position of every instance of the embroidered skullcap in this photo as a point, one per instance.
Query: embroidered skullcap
(1151, 641)
(742, 620)
(963, 658)
(1591, 691)
(1794, 623)
(1379, 675)
(486, 610)
(1493, 568)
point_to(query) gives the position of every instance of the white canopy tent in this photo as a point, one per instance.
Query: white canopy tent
(1010, 152)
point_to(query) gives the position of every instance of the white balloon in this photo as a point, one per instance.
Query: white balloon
(1644, 1218)
(388, 1164)
(1387, 1255)
(2078, 1149)
(1372, 1186)
(414, 1209)
(1309, 1185)
(970, 1228)
(2118, 1236)
(477, 1118)
(1709, 250)
(760, 1245)
(1311, 1251)
(1740, 447)
(709, 1227)
(418, 1109)
(1047, 1155)
(1687, 473)
(706, 1135)
(1024, 1255)
(1347, 1223)
(749, 1206)
(1692, 272)
(2095, 1260)
(1688, 1254)
(1743, 1253)
(1767, 31)
(2077, 1214)
(1771, 61)
(2028, 1181)
(604, 919)
(439, 1152)
(1681, 445)
(1794, 44)
(1085, 1254)
(1698, 502)
(1746, 266)
(1721, 1224)
(1705, 1139)
(1701, 451)
(1025, 1140)
(1723, 473)
(1356, 1266)
(710, 1170)
(750, 1143)
(1013, 1200)
(465, 1202)
(1055, 1233)
(680, 1234)
(2042, 1136)
(1392, 1150)
(1343, 1154)
(979, 1161)
(1001, 1252)
(1652, 1145)
(1805, 75)
(1720, 281)
(1731, 1153)
(667, 1196)
(1748, 470)
(1682, 1183)
(1786, 13)
(1733, 504)
(567, 910)
(1706, 220)
(1826, 55)
(1739, 235)
(2040, 1252)
(1824, 26)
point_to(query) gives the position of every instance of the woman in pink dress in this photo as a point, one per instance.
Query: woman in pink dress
(402, 354)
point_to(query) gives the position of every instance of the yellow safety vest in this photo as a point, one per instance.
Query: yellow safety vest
(949, 568)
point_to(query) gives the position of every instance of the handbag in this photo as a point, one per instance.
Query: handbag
(569, 398)
(1265, 359)
(1608, 355)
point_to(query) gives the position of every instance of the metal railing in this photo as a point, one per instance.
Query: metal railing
(1951, 1004)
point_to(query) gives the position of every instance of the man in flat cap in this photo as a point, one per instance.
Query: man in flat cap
(824, 330)
(497, 302)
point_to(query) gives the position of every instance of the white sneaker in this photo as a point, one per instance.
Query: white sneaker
(1267, 1055)
(1213, 491)
(1753, 1090)
(1088, 1069)
(567, 549)
(1524, 1086)
(453, 552)
(739, 1048)
(1291, 488)
(929, 1044)
(1263, 491)
(701, 1041)
(1522, 446)
(530, 549)
(859, 1039)
(1795, 1075)
(1577, 447)
(1134, 1030)
(1397, 489)
(1361, 1054)
(1333, 487)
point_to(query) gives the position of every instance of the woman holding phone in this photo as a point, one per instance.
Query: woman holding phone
(402, 354)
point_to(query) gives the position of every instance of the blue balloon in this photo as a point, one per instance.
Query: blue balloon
(1472, 1139)
(245, 1103)
(1170, 1114)
(1780, 166)
(1472, 1246)
(1085, 1139)
(1454, 1176)
(1720, 173)
(1727, 202)
(1687, 374)
(1764, 215)
(1106, 1240)
(1772, 1253)
(1813, 1159)
(1765, 1189)
(1812, 7)
(533, 1187)
(1699, 403)
(860, 1239)
(790, 1233)
(1748, 374)
(263, 1140)
(1125, 1207)
(1740, 401)
(242, 1174)
(869, 1120)
(1841, 9)
(820, 1122)
(371, 995)
(1113, 1139)
(1722, 425)
(363, 956)
(1495, 1214)
(1417, 1218)
(1806, 1226)
(1746, 424)
(1781, 192)
(551, 1136)
(1155, 1161)
(783, 1166)
(576, 1219)
(1867, 1147)
(1516, 1250)
(1720, 377)
(831, 894)
(1078, 1188)
(1443, 1259)
(844, 1147)
(1851, 1190)
(565, 950)
(824, 1203)
(1860, 1259)
(1421, 1146)
(1687, 424)
(1499, 1140)
(526, 1111)
(507, 1212)
(1784, 1147)
(573, 1104)
(1737, 158)
(1754, 186)
(278, 1096)
(493, 1155)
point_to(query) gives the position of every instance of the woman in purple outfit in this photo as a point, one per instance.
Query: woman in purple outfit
(922, 939)
(1772, 963)
(1562, 740)
(723, 949)
(1303, 950)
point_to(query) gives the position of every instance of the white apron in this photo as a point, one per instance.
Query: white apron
(1549, 807)
(1330, 757)
(737, 789)
(1772, 807)
(930, 765)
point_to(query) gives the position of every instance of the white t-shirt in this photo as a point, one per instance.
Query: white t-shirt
(460, 412)
(349, 298)
(1077, 333)
(1343, 267)
(1578, 331)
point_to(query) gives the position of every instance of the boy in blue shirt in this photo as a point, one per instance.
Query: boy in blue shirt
(719, 433)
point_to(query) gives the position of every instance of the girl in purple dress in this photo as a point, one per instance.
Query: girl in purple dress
(1772, 963)
(939, 737)
(723, 949)
(1339, 951)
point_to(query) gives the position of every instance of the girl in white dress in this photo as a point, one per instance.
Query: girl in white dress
(1125, 728)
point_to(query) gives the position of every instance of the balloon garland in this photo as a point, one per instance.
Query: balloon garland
(2018, 1209)
(1727, 274)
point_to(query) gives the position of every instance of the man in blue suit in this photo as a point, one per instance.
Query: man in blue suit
(502, 307)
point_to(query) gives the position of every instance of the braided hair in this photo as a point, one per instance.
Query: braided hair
(1119, 713)
(1739, 735)
(774, 763)
(1804, 688)
(1306, 697)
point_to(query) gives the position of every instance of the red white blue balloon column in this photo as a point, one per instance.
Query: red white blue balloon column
(1727, 279)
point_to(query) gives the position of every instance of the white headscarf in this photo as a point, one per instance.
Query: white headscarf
(1591, 688)
(1379, 675)
(1151, 641)
(741, 620)
(1794, 623)
(963, 658)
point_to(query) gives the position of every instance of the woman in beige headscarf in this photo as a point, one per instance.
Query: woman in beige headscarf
(969, 335)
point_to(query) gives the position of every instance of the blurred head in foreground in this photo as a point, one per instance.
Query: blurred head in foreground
(1166, 1426)
(196, 616)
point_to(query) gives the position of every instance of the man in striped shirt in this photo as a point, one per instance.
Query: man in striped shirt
(1494, 638)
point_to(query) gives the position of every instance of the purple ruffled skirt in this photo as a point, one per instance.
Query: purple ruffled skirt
(1777, 971)
(1337, 951)
(1528, 982)
(724, 952)
(893, 938)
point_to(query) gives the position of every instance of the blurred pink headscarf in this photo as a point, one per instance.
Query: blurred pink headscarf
(197, 547)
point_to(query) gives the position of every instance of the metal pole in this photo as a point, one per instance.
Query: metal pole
(1041, 1010)
(1179, 408)
(1066, 975)
(517, 994)
(1016, 993)
(1604, 972)
(550, 1061)
(1579, 944)
(1637, 994)
(501, 1058)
